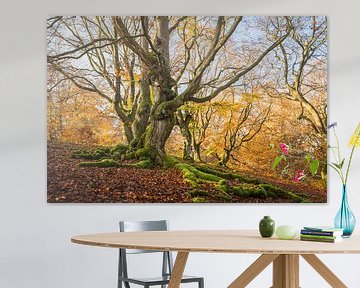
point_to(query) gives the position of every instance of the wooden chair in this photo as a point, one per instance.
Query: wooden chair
(167, 262)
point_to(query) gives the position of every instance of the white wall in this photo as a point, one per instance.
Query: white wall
(35, 248)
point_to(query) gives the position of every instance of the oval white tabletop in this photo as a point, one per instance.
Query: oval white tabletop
(220, 241)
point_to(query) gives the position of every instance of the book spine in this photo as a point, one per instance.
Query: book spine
(319, 233)
(318, 236)
(317, 239)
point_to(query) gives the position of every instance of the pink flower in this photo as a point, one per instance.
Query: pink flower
(284, 148)
(299, 175)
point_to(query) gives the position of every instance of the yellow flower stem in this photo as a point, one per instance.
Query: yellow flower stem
(348, 166)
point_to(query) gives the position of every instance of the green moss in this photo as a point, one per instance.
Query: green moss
(75, 154)
(153, 56)
(295, 198)
(130, 155)
(247, 191)
(222, 182)
(147, 133)
(250, 181)
(243, 190)
(271, 194)
(198, 200)
(166, 109)
(238, 190)
(223, 196)
(207, 169)
(226, 175)
(145, 153)
(119, 149)
(206, 176)
(101, 164)
(261, 192)
(81, 154)
(106, 150)
(97, 154)
(182, 166)
(145, 106)
(145, 164)
(170, 161)
(190, 177)
(224, 187)
(100, 153)
(278, 192)
(199, 175)
(255, 191)
(197, 193)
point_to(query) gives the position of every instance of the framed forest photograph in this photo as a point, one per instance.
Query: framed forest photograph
(186, 109)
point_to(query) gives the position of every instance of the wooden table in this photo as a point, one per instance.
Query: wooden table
(284, 254)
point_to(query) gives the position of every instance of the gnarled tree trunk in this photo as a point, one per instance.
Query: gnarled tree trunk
(183, 121)
(143, 111)
(162, 118)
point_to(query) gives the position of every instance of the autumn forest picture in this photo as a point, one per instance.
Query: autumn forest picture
(186, 109)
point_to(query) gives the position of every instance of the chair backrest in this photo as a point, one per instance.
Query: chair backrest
(137, 226)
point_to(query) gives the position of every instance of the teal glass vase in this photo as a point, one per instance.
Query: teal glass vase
(345, 219)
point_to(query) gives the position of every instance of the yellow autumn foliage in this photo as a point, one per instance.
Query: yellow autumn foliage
(355, 138)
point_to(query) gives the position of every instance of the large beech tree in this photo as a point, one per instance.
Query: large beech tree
(147, 68)
(167, 99)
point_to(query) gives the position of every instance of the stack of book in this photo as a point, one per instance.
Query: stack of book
(321, 234)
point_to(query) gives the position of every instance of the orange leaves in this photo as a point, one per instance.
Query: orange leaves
(82, 118)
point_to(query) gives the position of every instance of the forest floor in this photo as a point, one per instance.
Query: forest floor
(70, 183)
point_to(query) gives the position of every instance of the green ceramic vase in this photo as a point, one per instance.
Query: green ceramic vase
(267, 227)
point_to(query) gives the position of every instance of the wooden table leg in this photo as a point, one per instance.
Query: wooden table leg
(253, 270)
(178, 269)
(324, 271)
(286, 271)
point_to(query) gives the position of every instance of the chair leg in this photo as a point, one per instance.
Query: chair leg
(201, 283)
(126, 284)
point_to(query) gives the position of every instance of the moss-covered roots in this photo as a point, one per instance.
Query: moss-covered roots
(112, 157)
(195, 174)
(200, 174)
(116, 153)
(259, 191)
(104, 163)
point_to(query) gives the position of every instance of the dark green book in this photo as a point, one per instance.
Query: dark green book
(320, 239)
(319, 236)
